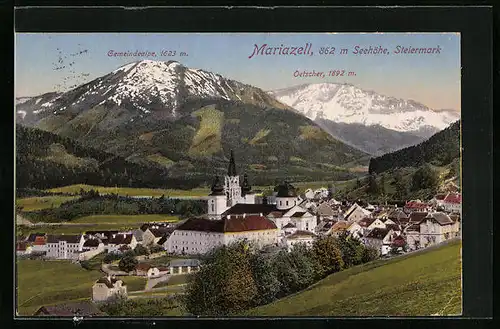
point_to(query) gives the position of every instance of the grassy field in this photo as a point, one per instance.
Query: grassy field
(38, 203)
(49, 282)
(125, 219)
(131, 191)
(421, 284)
(134, 283)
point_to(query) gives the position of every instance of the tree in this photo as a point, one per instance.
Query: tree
(424, 178)
(328, 255)
(358, 183)
(265, 277)
(141, 250)
(127, 263)
(155, 248)
(351, 248)
(400, 186)
(369, 254)
(372, 184)
(225, 284)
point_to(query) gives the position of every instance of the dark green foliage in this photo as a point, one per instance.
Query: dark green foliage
(93, 204)
(295, 270)
(369, 254)
(265, 276)
(127, 263)
(327, 252)
(424, 178)
(34, 171)
(441, 149)
(155, 248)
(86, 265)
(141, 250)
(373, 187)
(351, 248)
(224, 285)
(147, 307)
(111, 257)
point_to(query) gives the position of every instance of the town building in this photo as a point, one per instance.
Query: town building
(121, 240)
(299, 237)
(355, 213)
(64, 246)
(200, 235)
(183, 266)
(108, 287)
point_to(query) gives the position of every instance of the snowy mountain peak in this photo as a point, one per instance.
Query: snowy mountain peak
(148, 86)
(346, 103)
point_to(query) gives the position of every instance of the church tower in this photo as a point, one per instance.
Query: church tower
(217, 203)
(232, 187)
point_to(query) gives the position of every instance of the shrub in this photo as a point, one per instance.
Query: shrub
(127, 263)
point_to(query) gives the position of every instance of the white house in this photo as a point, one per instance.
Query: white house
(380, 239)
(453, 202)
(436, 228)
(108, 287)
(355, 213)
(299, 237)
(200, 235)
(64, 246)
(143, 235)
(355, 230)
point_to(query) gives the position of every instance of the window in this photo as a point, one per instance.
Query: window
(287, 202)
(213, 207)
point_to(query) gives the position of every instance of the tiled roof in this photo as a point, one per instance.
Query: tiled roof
(250, 209)
(393, 227)
(325, 210)
(440, 196)
(301, 234)
(398, 241)
(32, 236)
(339, 226)
(234, 224)
(453, 198)
(184, 262)
(21, 246)
(455, 217)
(91, 243)
(68, 238)
(70, 309)
(298, 214)
(413, 228)
(417, 217)
(367, 221)
(107, 234)
(40, 240)
(109, 282)
(289, 225)
(144, 227)
(416, 205)
(143, 267)
(378, 233)
(398, 215)
(121, 239)
(440, 218)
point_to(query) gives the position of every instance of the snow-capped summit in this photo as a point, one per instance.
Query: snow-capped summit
(149, 86)
(346, 103)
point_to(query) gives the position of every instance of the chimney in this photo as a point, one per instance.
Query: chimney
(244, 215)
(260, 214)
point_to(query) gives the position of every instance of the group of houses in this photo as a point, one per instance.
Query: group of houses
(86, 245)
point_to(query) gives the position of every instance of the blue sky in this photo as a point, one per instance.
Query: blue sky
(433, 79)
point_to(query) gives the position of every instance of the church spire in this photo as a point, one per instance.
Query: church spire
(232, 166)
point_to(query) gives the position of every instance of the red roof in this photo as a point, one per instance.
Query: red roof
(398, 241)
(415, 205)
(453, 198)
(39, 241)
(440, 196)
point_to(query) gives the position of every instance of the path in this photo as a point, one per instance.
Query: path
(154, 281)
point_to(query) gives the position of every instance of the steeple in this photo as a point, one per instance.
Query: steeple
(245, 185)
(217, 187)
(232, 166)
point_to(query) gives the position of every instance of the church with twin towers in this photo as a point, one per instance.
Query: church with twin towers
(226, 194)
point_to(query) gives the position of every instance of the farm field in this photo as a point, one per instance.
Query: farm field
(421, 284)
(130, 191)
(74, 229)
(51, 282)
(39, 203)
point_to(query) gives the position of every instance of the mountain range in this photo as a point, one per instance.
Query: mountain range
(371, 122)
(186, 121)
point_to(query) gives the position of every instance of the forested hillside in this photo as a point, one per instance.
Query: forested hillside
(439, 150)
(45, 160)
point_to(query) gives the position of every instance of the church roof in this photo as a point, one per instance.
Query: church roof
(217, 188)
(285, 190)
(250, 209)
(228, 225)
(231, 171)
